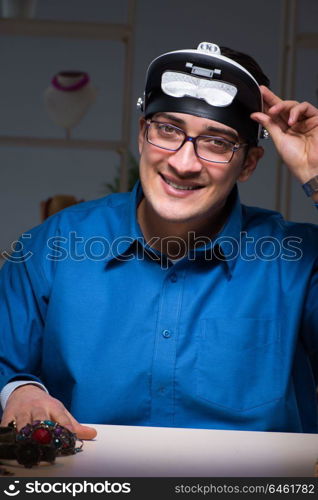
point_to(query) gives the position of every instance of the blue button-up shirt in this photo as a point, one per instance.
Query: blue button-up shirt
(225, 338)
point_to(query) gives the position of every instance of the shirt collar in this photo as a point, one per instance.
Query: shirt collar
(227, 240)
(226, 244)
(128, 230)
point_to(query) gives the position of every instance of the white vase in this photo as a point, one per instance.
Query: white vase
(23, 9)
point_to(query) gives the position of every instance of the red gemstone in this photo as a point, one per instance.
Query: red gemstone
(42, 436)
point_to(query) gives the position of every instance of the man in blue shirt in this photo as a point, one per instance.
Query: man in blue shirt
(175, 305)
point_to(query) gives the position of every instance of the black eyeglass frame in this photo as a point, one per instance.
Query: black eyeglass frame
(236, 145)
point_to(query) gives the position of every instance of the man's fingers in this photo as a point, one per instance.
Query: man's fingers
(81, 431)
(28, 403)
(23, 419)
(282, 110)
(63, 419)
(291, 111)
(276, 108)
(85, 432)
(275, 127)
(302, 111)
(306, 126)
(260, 118)
(298, 117)
(20, 418)
(7, 418)
(270, 99)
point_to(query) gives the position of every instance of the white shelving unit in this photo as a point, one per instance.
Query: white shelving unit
(90, 31)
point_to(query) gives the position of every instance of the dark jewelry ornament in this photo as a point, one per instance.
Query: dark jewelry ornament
(43, 440)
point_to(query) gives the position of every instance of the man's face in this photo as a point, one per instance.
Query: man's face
(164, 174)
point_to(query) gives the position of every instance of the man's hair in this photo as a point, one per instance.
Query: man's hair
(248, 63)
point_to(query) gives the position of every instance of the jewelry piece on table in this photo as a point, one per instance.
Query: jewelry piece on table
(47, 432)
(42, 440)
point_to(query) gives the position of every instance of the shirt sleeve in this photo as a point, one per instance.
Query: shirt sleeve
(23, 304)
(310, 322)
(11, 386)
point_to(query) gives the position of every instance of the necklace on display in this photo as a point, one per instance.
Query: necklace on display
(68, 98)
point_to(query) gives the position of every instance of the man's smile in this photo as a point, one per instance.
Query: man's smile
(179, 184)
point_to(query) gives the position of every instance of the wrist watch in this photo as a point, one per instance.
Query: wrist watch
(311, 186)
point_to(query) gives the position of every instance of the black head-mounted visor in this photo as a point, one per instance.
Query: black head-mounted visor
(204, 83)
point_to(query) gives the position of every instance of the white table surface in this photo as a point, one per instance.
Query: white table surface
(129, 451)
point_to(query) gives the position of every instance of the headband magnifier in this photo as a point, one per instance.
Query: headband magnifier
(204, 83)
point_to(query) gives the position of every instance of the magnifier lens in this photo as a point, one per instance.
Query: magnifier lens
(215, 93)
(178, 84)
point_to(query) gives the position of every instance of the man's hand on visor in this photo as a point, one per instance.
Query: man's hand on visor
(293, 127)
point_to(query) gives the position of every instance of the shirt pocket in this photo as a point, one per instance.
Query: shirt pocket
(238, 362)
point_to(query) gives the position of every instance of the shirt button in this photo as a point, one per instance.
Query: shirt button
(166, 334)
(173, 278)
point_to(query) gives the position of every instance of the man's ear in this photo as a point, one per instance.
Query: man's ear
(253, 156)
(141, 135)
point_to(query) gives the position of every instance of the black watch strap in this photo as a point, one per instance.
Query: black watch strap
(311, 186)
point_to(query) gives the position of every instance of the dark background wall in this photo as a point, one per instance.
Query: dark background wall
(29, 175)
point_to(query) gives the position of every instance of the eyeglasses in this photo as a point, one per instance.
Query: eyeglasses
(207, 147)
